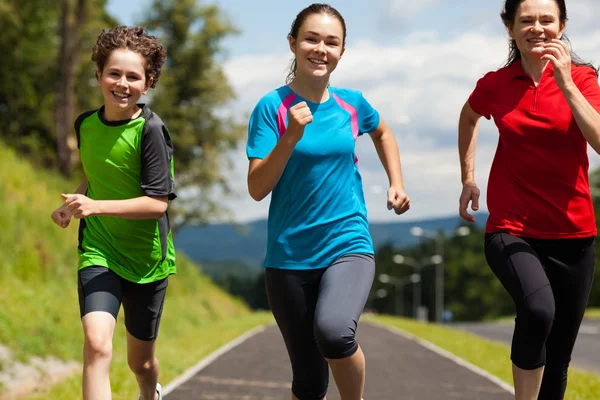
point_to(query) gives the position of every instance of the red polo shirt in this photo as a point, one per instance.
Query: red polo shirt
(538, 185)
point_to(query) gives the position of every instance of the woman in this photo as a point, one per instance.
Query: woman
(541, 229)
(319, 262)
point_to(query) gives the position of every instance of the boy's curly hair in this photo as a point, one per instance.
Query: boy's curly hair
(135, 39)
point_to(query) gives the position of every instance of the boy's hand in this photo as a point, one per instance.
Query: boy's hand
(62, 216)
(79, 205)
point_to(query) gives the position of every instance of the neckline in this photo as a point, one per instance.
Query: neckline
(122, 121)
(312, 103)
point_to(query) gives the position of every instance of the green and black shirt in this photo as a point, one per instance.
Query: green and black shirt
(124, 160)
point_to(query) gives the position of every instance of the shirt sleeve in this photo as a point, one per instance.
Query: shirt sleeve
(368, 117)
(588, 85)
(262, 131)
(479, 100)
(157, 178)
(77, 125)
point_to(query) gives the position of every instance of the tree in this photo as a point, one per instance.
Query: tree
(72, 20)
(39, 85)
(191, 98)
(28, 49)
(472, 292)
(595, 188)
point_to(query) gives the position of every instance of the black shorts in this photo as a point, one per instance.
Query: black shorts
(100, 289)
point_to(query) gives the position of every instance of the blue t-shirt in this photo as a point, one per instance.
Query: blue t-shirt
(317, 210)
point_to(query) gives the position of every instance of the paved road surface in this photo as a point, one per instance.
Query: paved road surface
(397, 368)
(586, 354)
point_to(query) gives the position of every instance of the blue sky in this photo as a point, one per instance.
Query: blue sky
(380, 20)
(416, 61)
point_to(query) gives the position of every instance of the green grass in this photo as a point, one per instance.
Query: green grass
(488, 355)
(39, 311)
(592, 313)
(177, 350)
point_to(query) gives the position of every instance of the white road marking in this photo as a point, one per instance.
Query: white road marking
(448, 355)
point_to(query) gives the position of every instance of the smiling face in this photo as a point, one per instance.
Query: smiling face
(536, 22)
(318, 46)
(123, 82)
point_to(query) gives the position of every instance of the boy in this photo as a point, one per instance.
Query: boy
(125, 247)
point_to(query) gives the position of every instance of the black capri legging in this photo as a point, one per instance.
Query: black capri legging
(317, 312)
(550, 283)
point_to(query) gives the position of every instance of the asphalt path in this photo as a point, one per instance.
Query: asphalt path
(397, 368)
(586, 354)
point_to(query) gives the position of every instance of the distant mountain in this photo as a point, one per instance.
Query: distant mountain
(216, 245)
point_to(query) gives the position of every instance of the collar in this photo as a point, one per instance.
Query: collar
(515, 70)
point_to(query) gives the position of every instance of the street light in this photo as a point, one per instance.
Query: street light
(399, 284)
(411, 262)
(438, 260)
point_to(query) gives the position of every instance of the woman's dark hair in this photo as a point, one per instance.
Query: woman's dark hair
(508, 16)
(316, 8)
(135, 39)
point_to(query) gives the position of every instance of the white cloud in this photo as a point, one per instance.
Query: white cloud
(418, 88)
(396, 14)
(583, 16)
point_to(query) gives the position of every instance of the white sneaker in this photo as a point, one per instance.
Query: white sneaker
(158, 391)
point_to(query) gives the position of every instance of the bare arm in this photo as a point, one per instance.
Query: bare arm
(145, 207)
(389, 155)
(263, 174)
(586, 116)
(387, 150)
(82, 188)
(468, 129)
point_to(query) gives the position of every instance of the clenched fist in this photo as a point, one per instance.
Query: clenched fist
(298, 117)
(62, 216)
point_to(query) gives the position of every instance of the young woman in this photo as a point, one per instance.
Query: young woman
(541, 229)
(319, 262)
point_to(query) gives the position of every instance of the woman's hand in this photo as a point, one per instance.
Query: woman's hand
(470, 193)
(298, 117)
(398, 200)
(557, 52)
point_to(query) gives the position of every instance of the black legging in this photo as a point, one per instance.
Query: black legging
(317, 311)
(550, 282)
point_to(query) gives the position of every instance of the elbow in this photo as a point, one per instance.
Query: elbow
(254, 190)
(160, 210)
(255, 194)
(596, 146)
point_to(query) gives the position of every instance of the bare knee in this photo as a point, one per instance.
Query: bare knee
(97, 347)
(142, 367)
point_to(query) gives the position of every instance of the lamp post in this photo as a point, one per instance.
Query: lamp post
(438, 260)
(399, 284)
(411, 262)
